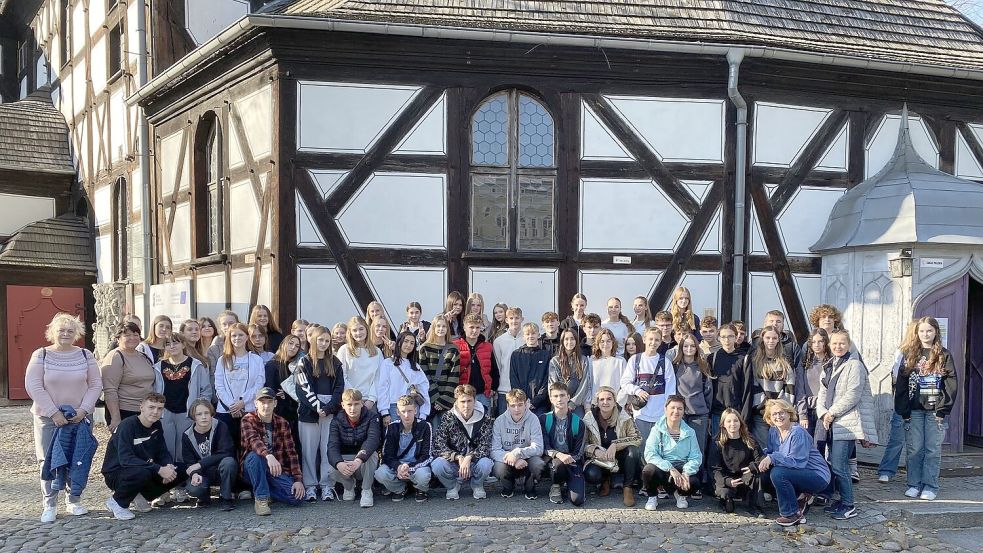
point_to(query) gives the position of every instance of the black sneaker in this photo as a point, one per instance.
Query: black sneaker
(397, 497)
(508, 488)
(530, 488)
(421, 496)
(697, 494)
(531, 495)
(228, 505)
(727, 505)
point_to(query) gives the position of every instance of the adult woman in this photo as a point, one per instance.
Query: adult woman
(681, 309)
(499, 325)
(573, 369)
(381, 333)
(440, 360)
(475, 305)
(261, 316)
(319, 385)
(733, 460)
(808, 374)
(280, 369)
(58, 375)
(695, 385)
(414, 323)
(633, 345)
(606, 367)
(454, 313)
(239, 374)
(153, 344)
(208, 331)
(795, 465)
(401, 375)
(360, 360)
(846, 409)
(773, 378)
(923, 397)
(672, 457)
(611, 442)
(298, 328)
(127, 376)
(643, 314)
(617, 323)
(258, 341)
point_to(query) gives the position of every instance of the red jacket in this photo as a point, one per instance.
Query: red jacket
(486, 359)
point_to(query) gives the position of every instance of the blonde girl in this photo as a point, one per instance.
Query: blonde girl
(773, 379)
(619, 325)
(381, 336)
(320, 383)
(153, 344)
(682, 311)
(239, 375)
(360, 360)
(606, 367)
(298, 328)
(643, 314)
(262, 316)
(476, 306)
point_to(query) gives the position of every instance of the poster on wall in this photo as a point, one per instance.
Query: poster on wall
(172, 299)
(944, 331)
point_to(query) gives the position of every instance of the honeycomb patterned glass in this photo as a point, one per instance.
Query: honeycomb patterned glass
(535, 134)
(490, 132)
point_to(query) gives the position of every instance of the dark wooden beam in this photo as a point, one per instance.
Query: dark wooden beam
(810, 155)
(393, 256)
(284, 240)
(395, 162)
(567, 192)
(459, 106)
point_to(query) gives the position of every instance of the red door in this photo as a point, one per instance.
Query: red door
(29, 310)
(949, 302)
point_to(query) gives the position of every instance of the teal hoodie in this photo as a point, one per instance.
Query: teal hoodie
(664, 452)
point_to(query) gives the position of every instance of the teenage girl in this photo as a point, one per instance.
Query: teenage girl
(261, 316)
(454, 313)
(643, 314)
(414, 322)
(606, 367)
(476, 306)
(773, 378)
(499, 324)
(153, 345)
(258, 341)
(239, 374)
(298, 328)
(360, 360)
(682, 311)
(320, 383)
(617, 323)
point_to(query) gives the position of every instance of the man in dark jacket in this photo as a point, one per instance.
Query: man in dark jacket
(462, 446)
(406, 453)
(209, 454)
(355, 438)
(137, 460)
(529, 369)
(563, 444)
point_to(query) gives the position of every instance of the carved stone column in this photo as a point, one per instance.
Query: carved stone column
(110, 300)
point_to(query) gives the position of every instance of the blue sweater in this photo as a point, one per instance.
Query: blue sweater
(796, 452)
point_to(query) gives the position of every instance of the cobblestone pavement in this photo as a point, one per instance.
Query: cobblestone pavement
(494, 524)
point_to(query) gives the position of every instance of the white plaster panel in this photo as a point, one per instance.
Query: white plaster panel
(118, 130)
(704, 289)
(837, 156)
(102, 205)
(17, 211)
(181, 234)
(757, 240)
(810, 290)
(396, 286)
(804, 218)
(599, 285)
(698, 188)
(628, 216)
(205, 19)
(235, 150)
(317, 282)
(168, 155)
(977, 131)
(99, 63)
(782, 131)
(885, 139)
(397, 210)
(209, 294)
(429, 135)
(134, 243)
(966, 165)
(597, 141)
(532, 290)
(138, 307)
(712, 238)
(242, 286)
(97, 13)
(327, 181)
(104, 258)
(307, 233)
(100, 137)
(347, 117)
(676, 129)
(763, 296)
(245, 217)
(79, 32)
(136, 191)
(256, 112)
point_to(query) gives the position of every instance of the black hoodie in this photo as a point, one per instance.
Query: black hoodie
(731, 383)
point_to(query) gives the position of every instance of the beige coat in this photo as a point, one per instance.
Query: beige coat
(627, 432)
(853, 403)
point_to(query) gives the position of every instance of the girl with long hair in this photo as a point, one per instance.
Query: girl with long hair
(239, 375)
(374, 311)
(279, 370)
(320, 382)
(338, 333)
(808, 374)
(573, 369)
(475, 305)
(694, 383)
(773, 378)
(208, 331)
(498, 324)
(153, 344)
(298, 328)
(617, 323)
(360, 359)
(681, 309)
(454, 313)
(578, 312)
(258, 341)
(606, 367)
(261, 316)
(381, 333)
(440, 360)
(401, 375)
(414, 321)
(643, 314)
(633, 345)
(733, 459)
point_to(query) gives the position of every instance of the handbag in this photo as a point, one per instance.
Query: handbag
(413, 392)
(649, 385)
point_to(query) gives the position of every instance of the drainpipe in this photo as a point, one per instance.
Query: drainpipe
(145, 207)
(734, 58)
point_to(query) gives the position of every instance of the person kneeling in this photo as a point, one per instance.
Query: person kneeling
(672, 455)
(352, 447)
(563, 440)
(209, 454)
(517, 446)
(406, 453)
(462, 445)
(137, 460)
(270, 463)
(612, 444)
(733, 459)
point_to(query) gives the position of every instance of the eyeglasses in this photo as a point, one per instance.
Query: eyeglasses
(779, 415)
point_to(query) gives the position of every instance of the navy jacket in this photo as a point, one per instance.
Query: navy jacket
(529, 372)
(422, 437)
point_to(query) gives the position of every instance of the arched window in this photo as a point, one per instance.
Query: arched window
(513, 174)
(208, 187)
(121, 221)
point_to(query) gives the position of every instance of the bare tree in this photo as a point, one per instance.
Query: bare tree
(972, 9)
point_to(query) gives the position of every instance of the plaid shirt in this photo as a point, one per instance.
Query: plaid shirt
(254, 440)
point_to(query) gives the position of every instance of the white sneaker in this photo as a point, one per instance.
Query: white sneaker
(883, 479)
(367, 499)
(180, 495)
(245, 494)
(119, 512)
(49, 514)
(310, 493)
(455, 492)
(927, 495)
(478, 493)
(349, 495)
(767, 496)
(75, 509)
(911, 492)
(327, 493)
(140, 505)
(681, 501)
(652, 504)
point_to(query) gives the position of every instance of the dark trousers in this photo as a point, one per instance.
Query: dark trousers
(235, 430)
(123, 414)
(127, 482)
(653, 477)
(629, 464)
(573, 477)
(750, 489)
(224, 474)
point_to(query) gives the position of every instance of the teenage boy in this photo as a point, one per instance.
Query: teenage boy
(137, 460)
(210, 455)
(355, 438)
(504, 345)
(225, 321)
(462, 446)
(591, 326)
(743, 346)
(663, 321)
(550, 340)
(563, 441)
(647, 381)
(406, 453)
(731, 384)
(478, 366)
(529, 369)
(269, 456)
(777, 319)
(708, 329)
(517, 445)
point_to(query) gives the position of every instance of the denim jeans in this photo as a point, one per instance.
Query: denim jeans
(925, 435)
(839, 461)
(501, 405)
(895, 445)
(485, 401)
(789, 483)
(447, 472)
(420, 478)
(265, 486)
(714, 425)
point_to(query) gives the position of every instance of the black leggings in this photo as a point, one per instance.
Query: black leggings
(629, 464)
(653, 477)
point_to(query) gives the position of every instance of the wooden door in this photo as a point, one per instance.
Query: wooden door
(29, 310)
(973, 387)
(949, 302)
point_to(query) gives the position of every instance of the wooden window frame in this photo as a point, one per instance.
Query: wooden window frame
(208, 141)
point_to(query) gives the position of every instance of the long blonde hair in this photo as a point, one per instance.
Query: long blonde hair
(685, 316)
(385, 347)
(228, 350)
(319, 361)
(354, 346)
(777, 368)
(432, 333)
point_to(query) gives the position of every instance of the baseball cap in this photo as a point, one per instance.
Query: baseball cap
(266, 392)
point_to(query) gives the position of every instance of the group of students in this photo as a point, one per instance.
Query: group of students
(663, 404)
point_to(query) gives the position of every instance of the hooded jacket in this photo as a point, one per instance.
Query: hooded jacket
(847, 392)
(623, 426)
(221, 446)
(199, 385)
(524, 435)
(529, 372)
(459, 437)
(664, 452)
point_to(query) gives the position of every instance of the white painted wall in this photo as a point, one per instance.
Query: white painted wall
(245, 217)
(804, 218)
(780, 132)
(210, 294)
(397, 210)
(104, 258)
(256, 112)
(966, 165)
(205, 19)
(532, 290)
(598, 286)
(346, 117)
(242, 282)
(429, 135)
(181, 234)
(307, 233)
(396, 286)
(169, 152)
(885, 138)
(763, 296)
(597, 141)
(676, 129)
(16, 211)
(317, 283)
(628, 216)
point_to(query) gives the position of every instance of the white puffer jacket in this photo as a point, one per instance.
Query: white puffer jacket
(853, 403)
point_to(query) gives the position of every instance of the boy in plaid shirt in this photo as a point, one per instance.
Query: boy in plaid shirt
(269, 457)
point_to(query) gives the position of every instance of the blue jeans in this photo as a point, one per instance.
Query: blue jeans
(501, 405)
(895, 445)
(447, 472)
(925, 435)
(714, 425)
(265, 486)
(789, 483)
(485, 401)
(839, 462)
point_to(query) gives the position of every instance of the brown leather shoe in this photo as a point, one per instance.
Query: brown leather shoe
(605, 487)
(629, 497)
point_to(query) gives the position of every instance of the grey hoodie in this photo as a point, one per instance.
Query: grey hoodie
(476, 416)
(525, 435)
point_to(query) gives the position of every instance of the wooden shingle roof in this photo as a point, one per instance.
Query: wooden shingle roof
(34, 136)
(927, 32)
(63, 242)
